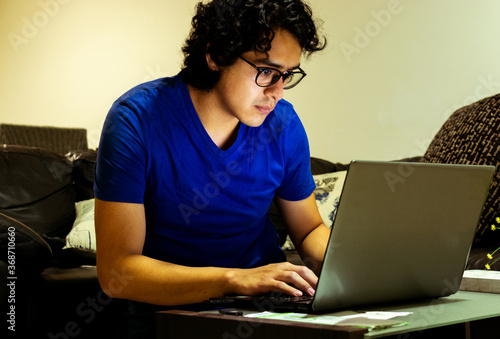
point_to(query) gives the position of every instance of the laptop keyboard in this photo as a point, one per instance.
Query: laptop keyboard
(274, 299)
(287, 299)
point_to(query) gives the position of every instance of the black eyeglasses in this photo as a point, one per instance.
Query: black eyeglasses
(267, 76)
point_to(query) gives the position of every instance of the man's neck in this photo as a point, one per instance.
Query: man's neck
(220, 126)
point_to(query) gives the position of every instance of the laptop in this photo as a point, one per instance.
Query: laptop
(402, 231)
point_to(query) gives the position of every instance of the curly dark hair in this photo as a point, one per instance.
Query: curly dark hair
(227, 28)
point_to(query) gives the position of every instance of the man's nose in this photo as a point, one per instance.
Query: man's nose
(276, 90)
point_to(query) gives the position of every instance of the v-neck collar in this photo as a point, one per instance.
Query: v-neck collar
(203, 132)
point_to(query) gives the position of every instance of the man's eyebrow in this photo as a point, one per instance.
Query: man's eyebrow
(269, 63)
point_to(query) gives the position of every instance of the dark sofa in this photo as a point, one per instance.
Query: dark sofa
(57, 292)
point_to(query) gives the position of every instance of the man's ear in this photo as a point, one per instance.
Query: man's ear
(211, 63)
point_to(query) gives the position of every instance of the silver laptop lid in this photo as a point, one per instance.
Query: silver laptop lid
(402, 231)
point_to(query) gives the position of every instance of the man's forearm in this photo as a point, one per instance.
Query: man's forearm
(313, 247)
(139, 278)
(143, 279)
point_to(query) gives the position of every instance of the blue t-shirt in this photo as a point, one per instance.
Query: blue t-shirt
(204, 206)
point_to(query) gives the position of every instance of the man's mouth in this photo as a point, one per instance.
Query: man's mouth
(265, 109)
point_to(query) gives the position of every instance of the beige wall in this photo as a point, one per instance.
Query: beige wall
(393, 71)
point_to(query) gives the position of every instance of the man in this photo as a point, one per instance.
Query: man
(188, 166)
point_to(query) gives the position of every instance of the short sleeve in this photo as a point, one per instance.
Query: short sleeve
(120, 170)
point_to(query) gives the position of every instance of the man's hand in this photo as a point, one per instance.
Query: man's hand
(282, 277)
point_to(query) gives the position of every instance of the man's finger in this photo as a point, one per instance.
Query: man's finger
(298, 279)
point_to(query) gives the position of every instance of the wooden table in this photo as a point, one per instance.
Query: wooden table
(464, 315)
(186, 324)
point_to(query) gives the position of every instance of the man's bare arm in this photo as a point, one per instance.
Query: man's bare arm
(306, 229)
(120, 232)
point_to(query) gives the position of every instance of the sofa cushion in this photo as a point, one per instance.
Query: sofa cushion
(36, 189)
(82, 235)
(471, 136)
(328, 189)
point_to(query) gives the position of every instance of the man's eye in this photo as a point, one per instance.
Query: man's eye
(267, 72)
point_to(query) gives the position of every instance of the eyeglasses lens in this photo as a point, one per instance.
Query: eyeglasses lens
(270, 77)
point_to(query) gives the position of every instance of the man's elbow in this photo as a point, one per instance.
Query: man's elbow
(115, 281)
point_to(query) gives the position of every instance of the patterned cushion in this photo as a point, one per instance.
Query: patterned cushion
(327, 193)
(471, 136)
